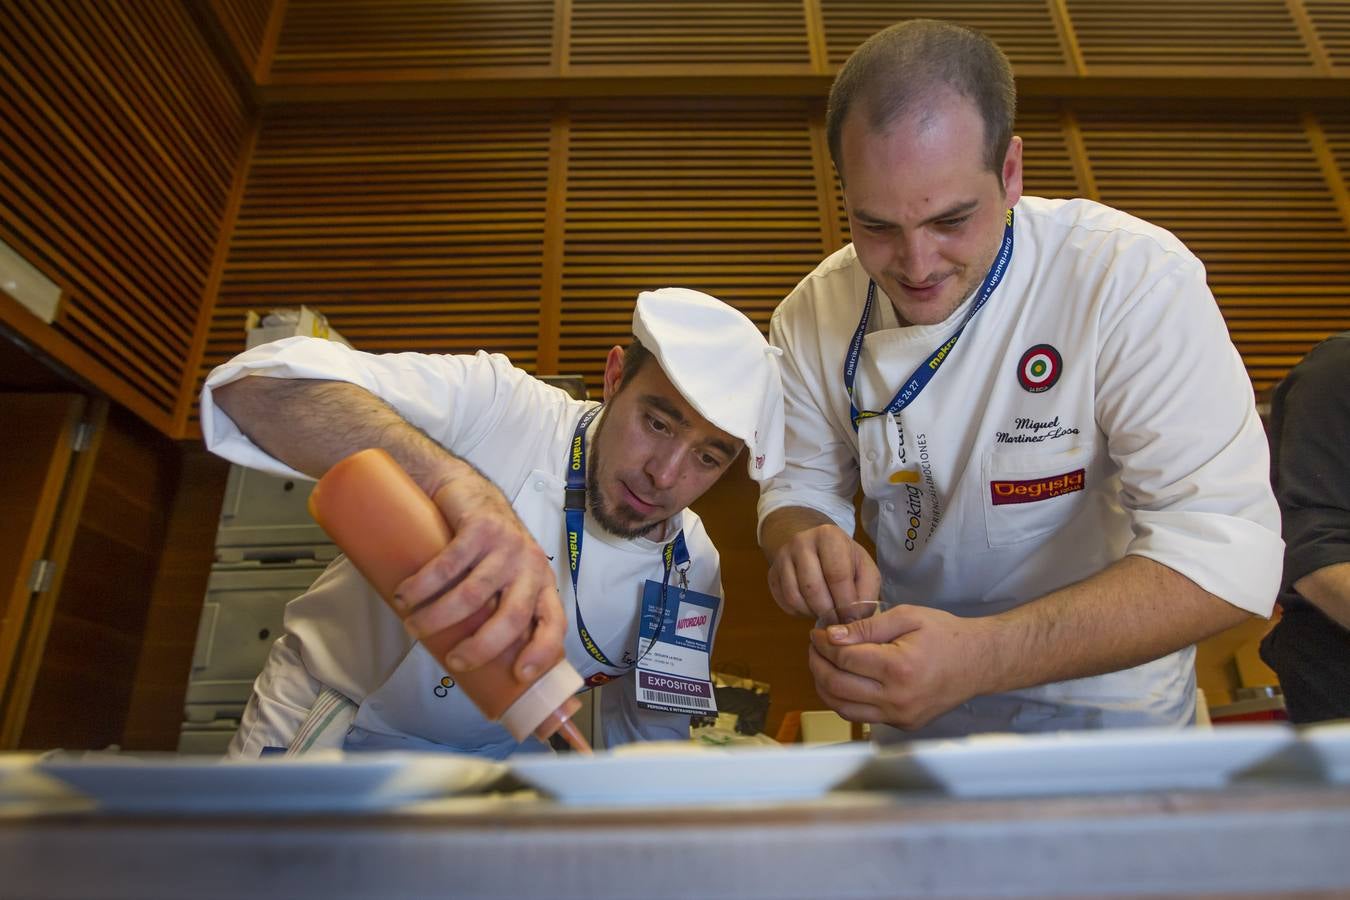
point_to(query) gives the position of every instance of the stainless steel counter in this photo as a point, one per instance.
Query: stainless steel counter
(1260, 840)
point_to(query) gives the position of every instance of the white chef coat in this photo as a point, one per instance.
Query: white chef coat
(1148, 444)
(517, 431)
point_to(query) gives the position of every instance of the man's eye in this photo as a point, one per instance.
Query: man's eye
(953, 224)
(657, 425)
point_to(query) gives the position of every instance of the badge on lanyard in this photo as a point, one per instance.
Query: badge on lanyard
(674, 649)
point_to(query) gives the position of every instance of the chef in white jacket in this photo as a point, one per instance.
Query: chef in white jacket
(493, 446)
(1064, 473)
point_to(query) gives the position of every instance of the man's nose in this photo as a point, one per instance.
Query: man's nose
(663, 468)
(915, 257)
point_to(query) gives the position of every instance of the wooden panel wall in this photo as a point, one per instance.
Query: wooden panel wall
(723, 200)
(1249, 197)
(245, 24)
(1070, 55)
(422, 38)
(425, 229)
(1025, 29)
(366, 41)
(1197, 33)
(688, 33)
(411, 229)
(1048, 158)
(119, 134)
(434, 230)
(1331, 21)
(1336, 127)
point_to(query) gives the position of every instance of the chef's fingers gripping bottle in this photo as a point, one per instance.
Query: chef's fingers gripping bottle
(390, 529)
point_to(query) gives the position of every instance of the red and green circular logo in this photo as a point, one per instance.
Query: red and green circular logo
(1040, 368)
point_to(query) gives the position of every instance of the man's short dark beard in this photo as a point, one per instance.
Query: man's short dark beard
(596, 506)
(611, 524)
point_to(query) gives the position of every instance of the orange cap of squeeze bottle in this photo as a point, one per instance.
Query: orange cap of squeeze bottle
(389, 529)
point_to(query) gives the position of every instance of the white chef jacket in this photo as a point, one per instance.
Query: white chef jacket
(983, 494)
(517, 431)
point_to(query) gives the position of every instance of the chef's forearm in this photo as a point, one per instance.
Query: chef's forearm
(781, 525)
(310, 425)
(1133, 611)
(1328, 589)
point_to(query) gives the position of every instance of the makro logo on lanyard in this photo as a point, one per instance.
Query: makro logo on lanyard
(919, 379)
(577, 452)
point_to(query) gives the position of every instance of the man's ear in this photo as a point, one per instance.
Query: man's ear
(1012, 172)
(613, 372)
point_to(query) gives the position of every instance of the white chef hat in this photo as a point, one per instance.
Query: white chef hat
(719, 361)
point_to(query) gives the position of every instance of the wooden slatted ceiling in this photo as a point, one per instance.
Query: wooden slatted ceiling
(1023, 28)
(723, 201)
(1248, 197)
(411, 230)
(1331, 19)
(1047, 167)
(118, 136)
(1195, 33)
(245, 24)
(688, 32)
(341, 38)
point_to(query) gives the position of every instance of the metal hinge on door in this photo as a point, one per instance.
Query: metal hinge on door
(41, 577)
(84, 433)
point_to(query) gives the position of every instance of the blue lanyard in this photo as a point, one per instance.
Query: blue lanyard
(928, 368)
(676, 553)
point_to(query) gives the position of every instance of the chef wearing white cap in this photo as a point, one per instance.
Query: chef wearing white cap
(347, 674)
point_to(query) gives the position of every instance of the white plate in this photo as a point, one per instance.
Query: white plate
(1330, 743)
(669, 776)
(317, 782)
(1143, 759)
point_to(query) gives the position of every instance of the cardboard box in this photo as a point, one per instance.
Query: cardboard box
(284, 323)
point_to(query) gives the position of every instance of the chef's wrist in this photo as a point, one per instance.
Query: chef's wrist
(784, 524)
(446, 472)
(991, 662)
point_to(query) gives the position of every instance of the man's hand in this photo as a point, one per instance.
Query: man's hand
(910, 664)
(490, 556)
(820, 569)
(904, 667)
